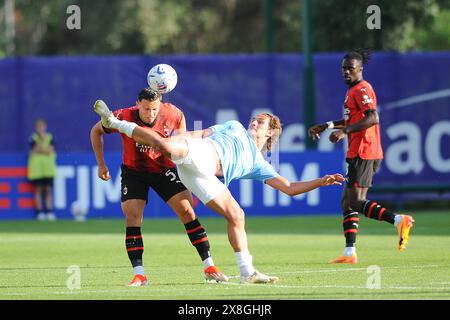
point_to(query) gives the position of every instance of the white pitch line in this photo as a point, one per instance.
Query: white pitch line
(350, 269)
(125, 290)
(334, 286)
(357, 269)
(213, 286)
(82, 291)
(260, 286)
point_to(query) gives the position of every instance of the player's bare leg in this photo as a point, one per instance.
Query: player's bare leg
(173, 148)
(227, 206)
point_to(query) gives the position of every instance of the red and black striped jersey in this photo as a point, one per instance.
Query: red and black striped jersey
(143, 158)
(365, 143)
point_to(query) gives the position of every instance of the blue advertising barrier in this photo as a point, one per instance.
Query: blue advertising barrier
(413, 91)
(77, 181)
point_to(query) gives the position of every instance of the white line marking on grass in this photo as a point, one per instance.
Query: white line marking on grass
(125, 290)
(215, 286)
(173, 291)
(334, 286)
(17, 294)
(347, 269)
(358, 269)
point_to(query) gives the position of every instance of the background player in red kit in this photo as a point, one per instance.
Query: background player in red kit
(361, 125)
(143, 168)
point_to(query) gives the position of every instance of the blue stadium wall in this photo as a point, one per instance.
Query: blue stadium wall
(413, 93)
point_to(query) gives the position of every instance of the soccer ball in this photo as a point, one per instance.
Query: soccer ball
(162, 78)
(79, 211)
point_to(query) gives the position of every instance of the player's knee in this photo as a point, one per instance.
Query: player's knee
(132, 216)
(236, 216)
(175, 148)
(186, 215)
(133, 219)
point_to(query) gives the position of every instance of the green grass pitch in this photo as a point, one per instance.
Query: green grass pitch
(35, 257)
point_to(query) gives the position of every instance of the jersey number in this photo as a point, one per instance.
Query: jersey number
(172, 176)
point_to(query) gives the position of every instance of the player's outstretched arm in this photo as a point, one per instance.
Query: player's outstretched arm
(315, 131)
(298, 187)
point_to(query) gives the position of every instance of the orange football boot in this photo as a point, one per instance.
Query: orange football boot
(212, 273)
(138, 280)
(344, 259)
(403, 231)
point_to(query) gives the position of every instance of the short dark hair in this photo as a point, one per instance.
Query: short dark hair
(149, 94)
(361, 54)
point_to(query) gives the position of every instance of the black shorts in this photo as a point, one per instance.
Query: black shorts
(135, 184)
(42, 182)
(360, 172)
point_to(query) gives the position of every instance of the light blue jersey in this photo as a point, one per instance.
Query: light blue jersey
(240, 157)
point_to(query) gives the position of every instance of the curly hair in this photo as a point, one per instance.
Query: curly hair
(275, 128)
(361, 54)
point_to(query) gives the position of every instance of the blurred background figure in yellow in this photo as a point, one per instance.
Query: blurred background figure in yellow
(42, 170)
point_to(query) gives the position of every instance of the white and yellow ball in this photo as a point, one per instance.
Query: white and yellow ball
(162, 78)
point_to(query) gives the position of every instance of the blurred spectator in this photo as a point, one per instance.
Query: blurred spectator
(42, 170)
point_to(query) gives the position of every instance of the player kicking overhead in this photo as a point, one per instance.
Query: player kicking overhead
(226, 150)
(143, 168)
(360, 125)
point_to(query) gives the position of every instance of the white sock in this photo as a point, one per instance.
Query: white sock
(123, 126)
(397, 219)
(208, 262)
(349, 251)
(127, 128)
(138, 270)
(245, 263)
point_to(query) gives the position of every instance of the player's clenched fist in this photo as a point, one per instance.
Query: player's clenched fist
(336, 136)
(103, 173)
